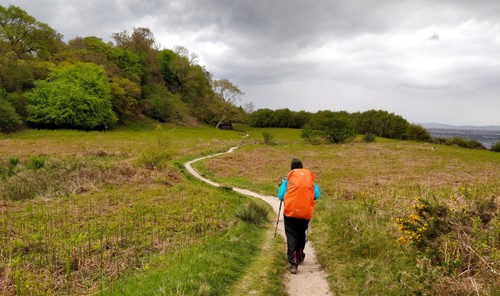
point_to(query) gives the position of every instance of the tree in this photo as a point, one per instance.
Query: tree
(76, 96)
(124, 96)
(335, 127)
(261, 118)
(226, 91)
(142, 42)
(9, 121)
(418, 133)
(25, 35)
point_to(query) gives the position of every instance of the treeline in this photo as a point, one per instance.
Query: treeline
(87, 83)
(340, 126)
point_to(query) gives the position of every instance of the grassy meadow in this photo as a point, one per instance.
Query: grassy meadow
(113, 213)
(365, 188)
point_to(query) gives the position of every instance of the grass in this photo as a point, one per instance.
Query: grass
(365, 187)
(97, 207)
(208, 268)
(112, 212)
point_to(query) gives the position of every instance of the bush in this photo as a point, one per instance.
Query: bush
(77, 96)
(496, 147)
(454, 235)
(268, 138)
(253, 213)
(368, 138)
(464, 143)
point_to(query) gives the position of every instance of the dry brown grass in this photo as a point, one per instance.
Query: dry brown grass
(369, 185)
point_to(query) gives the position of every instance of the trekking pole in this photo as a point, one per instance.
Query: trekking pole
(276, 230)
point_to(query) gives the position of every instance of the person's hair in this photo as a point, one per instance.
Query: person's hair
(296, 164)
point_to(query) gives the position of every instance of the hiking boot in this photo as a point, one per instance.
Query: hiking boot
(292, 268)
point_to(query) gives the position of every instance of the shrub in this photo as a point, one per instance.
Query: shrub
(464, 143)
(268, 138)
(35, 163)
(455, 235)
(253, 213)
(8, 169)
(496, 147)
(368, 138)
(76, 96)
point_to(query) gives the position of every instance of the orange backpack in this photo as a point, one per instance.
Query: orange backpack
(299, 196)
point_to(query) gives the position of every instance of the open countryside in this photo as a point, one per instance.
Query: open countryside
(95, 198)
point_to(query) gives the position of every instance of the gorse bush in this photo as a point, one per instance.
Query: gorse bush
(457, 236)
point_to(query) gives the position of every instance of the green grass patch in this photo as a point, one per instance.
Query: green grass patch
(208, 268)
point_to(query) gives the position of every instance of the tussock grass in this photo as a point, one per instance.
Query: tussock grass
(253, 213)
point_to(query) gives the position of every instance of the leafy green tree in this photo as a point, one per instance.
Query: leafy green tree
(169, 68)
(226, 91)
(418, 133)
(125, 96)
(396, 127)
(9, 120)
(381, 123)
(118, 61)
(261, 118)
(26, 36)
(141, 41)
(162, 105)
(76, 96)
(335, 127)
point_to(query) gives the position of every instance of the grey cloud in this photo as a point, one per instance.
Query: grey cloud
(354, 50)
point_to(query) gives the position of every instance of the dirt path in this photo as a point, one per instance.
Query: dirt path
(310, 278)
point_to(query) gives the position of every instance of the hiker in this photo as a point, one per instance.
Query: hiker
(298, 190)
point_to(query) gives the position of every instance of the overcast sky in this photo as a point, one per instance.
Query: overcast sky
(428, 60)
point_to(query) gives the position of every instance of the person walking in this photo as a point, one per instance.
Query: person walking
(298, 191)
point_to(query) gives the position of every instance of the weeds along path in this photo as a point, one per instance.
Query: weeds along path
(310, 278)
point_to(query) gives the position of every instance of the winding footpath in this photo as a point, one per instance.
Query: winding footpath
(310, 278)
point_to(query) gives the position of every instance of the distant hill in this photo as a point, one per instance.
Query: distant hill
(470, 127)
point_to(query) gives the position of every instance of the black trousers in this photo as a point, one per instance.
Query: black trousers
(295, 230)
